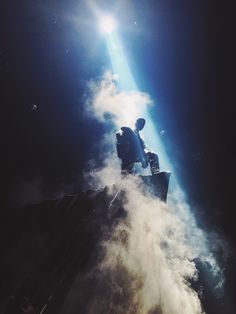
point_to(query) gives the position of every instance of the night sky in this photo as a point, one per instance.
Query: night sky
(181, 54)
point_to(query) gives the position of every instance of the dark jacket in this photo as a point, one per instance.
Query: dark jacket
(130, 146)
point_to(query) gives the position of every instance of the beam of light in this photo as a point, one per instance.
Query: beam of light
(127, 82)
(190, 242)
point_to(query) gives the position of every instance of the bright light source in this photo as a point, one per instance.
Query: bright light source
(107, 24)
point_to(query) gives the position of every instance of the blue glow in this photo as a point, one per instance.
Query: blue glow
(126, 82)
(119, 63)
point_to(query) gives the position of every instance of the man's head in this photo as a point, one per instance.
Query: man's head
(139, 124)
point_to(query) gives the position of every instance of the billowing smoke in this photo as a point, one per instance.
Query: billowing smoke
(149, 260)
(122, 106)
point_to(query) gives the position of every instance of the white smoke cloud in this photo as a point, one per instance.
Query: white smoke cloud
(149, 256)
(156, 252)
(124, 107)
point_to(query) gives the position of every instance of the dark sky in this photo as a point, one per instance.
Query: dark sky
(181, 53)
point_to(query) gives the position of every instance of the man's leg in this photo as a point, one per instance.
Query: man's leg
(153, 162)
(127, 168)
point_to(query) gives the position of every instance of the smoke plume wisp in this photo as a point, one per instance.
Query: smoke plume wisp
(122, 106)
(151, 245)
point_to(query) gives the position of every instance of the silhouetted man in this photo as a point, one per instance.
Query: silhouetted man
(131, 149)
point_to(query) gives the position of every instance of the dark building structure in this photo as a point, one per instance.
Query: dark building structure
(45, 246)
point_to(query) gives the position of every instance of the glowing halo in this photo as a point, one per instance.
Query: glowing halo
(107, 24)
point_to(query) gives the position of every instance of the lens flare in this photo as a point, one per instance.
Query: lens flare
(107, 24)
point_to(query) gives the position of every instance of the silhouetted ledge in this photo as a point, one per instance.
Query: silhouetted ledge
(45, 245)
